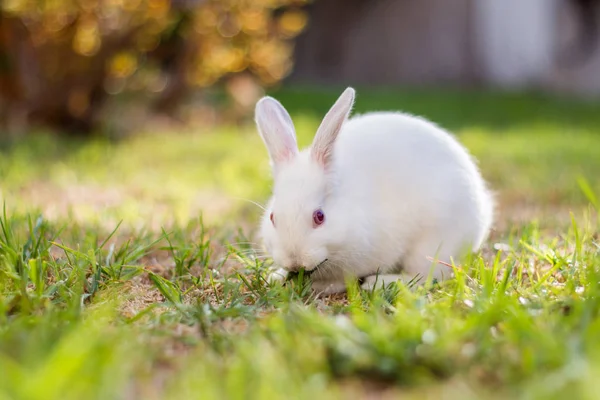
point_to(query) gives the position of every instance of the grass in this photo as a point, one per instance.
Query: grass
(127, 270)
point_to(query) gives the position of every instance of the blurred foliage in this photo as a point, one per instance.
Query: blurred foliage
(62, 60)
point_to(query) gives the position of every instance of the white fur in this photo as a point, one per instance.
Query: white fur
(395, 189)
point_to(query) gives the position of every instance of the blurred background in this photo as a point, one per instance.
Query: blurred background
(145, 106)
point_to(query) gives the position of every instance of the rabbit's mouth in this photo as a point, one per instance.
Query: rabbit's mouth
(316, 268)
(318, 265)
(305, 272)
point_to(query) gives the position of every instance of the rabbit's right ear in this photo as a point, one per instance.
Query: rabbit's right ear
(276, 130)
(323, 143)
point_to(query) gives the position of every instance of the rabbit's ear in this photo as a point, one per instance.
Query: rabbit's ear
(276, 130)
(322, 146)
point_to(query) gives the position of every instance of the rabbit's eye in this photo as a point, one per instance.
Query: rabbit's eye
(318, 217)
(272, 219)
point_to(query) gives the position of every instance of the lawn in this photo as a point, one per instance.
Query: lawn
(128, 270)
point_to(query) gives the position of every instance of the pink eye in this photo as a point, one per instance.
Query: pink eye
(272, 219)
(318, 217)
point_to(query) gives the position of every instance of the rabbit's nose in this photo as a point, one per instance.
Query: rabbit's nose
(294, 263)
(294, 267)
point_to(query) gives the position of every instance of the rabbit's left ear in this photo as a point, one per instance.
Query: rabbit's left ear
(277, 131)
(322, 146)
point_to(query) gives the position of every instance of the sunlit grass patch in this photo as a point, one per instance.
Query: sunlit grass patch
(154, 179)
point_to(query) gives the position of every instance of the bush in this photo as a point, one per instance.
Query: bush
(61, 61)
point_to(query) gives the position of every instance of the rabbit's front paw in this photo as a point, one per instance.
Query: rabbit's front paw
(278, 276)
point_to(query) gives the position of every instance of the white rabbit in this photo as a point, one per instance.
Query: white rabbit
(378, 197)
